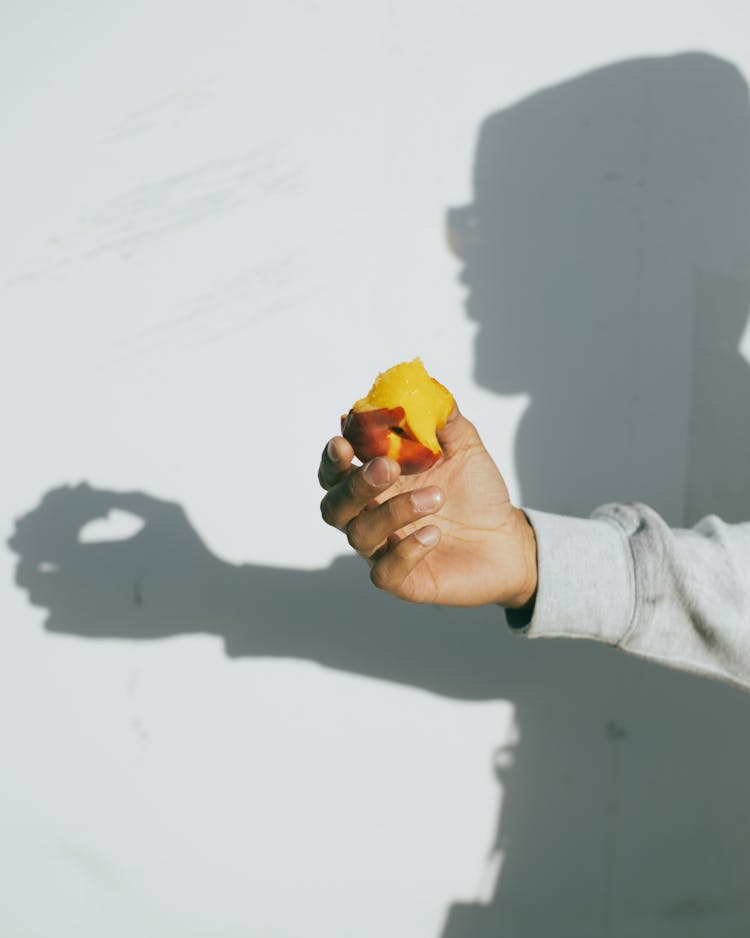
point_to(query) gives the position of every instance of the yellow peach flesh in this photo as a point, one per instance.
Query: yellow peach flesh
(406, 407)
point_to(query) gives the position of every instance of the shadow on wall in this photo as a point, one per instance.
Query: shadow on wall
(608, 260)
(607, 254)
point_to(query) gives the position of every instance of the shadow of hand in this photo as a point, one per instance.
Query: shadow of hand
(164, 581)
(143, 586)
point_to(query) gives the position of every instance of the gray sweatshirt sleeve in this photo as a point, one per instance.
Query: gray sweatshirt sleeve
(624, 577)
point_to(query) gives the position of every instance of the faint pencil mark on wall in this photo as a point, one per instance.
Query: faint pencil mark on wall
(159, 208)
(168, 111)
(272, 287)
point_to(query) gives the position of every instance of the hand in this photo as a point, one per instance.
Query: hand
(477, 549)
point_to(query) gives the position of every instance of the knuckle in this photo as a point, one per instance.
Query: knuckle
(352, 486)
(354, 535)
(327, 512)
(390, 512)
(359, 488)
(379, 576)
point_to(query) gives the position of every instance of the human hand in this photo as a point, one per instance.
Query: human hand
(477, 549)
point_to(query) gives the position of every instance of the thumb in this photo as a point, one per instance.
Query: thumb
(458, 434)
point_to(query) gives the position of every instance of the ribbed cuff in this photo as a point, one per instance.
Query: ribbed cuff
(586, 580)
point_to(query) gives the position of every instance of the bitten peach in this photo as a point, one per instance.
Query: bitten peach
(400, 418)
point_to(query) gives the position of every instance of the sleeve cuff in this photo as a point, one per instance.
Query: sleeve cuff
(586, 580)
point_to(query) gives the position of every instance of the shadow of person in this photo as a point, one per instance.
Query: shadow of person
(605, 255)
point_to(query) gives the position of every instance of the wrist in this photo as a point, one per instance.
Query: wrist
(521, 593)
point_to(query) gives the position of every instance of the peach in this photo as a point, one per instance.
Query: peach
(400, 418)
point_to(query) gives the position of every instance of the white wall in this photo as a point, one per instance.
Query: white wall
(219, 221)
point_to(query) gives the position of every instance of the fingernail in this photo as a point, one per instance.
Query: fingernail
(377, 472)
(428, 536)
(426, 499)
(331, 451)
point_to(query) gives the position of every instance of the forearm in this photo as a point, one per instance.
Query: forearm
(679, 597)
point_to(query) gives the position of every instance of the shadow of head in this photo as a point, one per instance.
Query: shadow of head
(607, 256)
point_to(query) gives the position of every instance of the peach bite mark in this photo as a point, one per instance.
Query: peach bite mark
(400, 418)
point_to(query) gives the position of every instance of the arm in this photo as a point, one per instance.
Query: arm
(623, 577)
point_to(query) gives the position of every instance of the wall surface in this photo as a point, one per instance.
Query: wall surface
(218, 222)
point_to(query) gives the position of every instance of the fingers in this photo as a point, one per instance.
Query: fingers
(393, 566)
(372, 527)
(144, 506)
(335, 462)
(356, 490)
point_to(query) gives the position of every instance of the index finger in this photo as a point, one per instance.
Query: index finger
(357, 489)
(335, 463)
